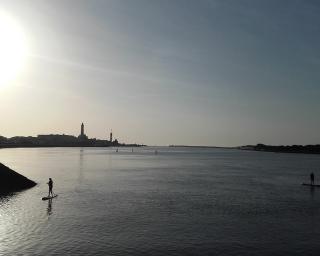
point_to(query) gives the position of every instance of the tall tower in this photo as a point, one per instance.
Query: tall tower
(111, 136)
(82, 136)
(82, 129)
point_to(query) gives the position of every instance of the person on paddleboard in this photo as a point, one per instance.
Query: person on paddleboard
(312, 178)
(50, 184)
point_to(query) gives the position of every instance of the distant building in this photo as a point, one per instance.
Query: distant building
(82, 135)
(62, 140)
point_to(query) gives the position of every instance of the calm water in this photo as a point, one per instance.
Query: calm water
(178, 202)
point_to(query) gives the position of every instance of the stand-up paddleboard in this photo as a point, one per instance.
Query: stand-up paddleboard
(49, 197)
(310, 185)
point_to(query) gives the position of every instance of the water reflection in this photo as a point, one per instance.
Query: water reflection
(109, 161)
(80, 176)
(4, 199)
(49, 209)
(312, 191)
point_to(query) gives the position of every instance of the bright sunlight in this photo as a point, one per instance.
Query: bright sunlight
(13, 49)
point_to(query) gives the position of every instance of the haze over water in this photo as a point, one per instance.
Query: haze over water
(182, 201)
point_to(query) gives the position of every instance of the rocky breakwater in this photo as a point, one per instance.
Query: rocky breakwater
(11, 181)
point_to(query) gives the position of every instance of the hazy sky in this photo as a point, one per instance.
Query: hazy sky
(200, 72)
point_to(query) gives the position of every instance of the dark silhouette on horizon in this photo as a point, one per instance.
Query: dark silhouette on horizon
(307, 149)
(58, 140)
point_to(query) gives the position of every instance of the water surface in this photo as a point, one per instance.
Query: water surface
(181, 201)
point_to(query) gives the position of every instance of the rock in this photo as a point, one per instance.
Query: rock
(11, 181)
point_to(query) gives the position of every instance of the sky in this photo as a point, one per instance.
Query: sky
(205, 72)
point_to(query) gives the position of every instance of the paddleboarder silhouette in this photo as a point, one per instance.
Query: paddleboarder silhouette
(50, 184)
(312, 178)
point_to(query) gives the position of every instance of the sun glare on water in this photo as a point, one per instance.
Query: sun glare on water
(13, 49)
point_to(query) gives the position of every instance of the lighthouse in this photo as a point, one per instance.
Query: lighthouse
(82, 135)
(82, 130)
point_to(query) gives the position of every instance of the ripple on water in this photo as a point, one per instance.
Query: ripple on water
(186, 203)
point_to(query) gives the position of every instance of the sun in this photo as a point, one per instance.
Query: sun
(13, 49)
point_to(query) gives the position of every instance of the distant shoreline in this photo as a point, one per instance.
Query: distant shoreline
(297, 149)
(71, 146)
(60, 140)
(186, 146)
